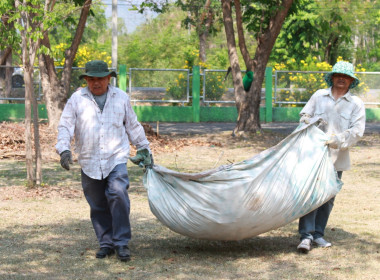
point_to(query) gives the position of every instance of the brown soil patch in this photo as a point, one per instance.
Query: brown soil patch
(170, 151)
(180, 148)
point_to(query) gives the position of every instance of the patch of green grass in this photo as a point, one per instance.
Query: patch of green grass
(12, 173)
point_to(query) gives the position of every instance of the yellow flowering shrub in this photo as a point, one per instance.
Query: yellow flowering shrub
(83, 55)
(177, 89)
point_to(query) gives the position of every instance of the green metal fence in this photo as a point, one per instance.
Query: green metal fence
(194, 111)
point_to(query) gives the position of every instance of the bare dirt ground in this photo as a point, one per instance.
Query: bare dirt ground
(12, 141)
(46, 232)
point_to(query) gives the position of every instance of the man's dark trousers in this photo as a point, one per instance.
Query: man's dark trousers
(109, 206)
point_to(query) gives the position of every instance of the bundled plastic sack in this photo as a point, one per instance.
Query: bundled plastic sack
(245, 199)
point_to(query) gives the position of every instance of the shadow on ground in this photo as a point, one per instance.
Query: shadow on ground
(66, 251)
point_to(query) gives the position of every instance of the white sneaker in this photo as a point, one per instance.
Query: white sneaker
(321, 242)
(304, 246)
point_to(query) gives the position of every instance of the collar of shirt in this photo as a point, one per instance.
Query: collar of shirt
(347, 96)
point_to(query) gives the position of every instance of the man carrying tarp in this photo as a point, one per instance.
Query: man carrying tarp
(344, 118)
(104, 124)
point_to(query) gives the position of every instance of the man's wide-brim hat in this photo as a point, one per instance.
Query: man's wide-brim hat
(342, 67)
(97, 68)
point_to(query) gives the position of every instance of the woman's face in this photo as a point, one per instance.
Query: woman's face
(342, 81)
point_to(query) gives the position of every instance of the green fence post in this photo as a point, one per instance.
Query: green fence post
(268, 94)
(123, 77)
(196, 93)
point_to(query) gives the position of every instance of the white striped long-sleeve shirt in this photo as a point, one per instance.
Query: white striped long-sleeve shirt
(102, 138)
(345, 118)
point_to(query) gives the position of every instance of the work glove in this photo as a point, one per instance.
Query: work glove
(66, 159)
(143, 158)
(334, 142)
(305, 118)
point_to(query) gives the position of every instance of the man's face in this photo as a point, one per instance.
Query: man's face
(98, 85)
(342, 81)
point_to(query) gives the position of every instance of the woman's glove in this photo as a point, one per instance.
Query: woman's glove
(305, 118)
(334, 142)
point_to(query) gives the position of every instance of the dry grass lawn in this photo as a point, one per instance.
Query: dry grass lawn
(46, 233)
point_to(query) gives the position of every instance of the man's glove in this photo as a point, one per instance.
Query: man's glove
(66, 159)
(143, 158)
(334, 142)
(305, 118)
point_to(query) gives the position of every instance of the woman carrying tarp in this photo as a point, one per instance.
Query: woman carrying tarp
(344, 117)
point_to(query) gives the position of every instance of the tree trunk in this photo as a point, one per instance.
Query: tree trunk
(203, 30)
(37, 146)
(329, 48)
(54, 95)
(29, 49)
(327, 52)
(8, 76)
(240, 30)
(6, 59)
(4, 55)
(28, 78)
(249, 107)
(356, 45)
(34, 176)
(240, 95)
(202, 46)
(56, 91)
(6, 73)
(334, 51)
(264, 48)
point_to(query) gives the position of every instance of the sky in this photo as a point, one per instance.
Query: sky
(132, 19)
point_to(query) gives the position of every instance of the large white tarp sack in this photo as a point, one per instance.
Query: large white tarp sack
(245, 199)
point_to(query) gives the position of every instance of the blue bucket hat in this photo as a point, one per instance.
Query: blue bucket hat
(342, 67)
(97, 68)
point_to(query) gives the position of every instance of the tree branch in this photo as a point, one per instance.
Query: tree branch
(78, 34)
(232, 51)
(240, 31)
(206, 10)
(4, 55)
(267, 40)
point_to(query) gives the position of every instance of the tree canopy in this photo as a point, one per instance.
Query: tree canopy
(314, 28)
(328, 30)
